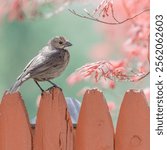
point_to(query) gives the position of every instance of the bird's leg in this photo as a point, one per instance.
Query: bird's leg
(39, 86)
(54, 85)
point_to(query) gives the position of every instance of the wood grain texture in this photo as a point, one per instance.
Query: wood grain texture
(133, 127)
(15, 132)
(54, 130)
(95, 128)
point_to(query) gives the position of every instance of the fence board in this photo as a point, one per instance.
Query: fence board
(54, 130)
(14, 125)
(133, 127)
(95, 128)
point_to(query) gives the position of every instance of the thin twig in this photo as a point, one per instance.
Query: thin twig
(113, 15)
(144, 76)
(127, 10)
(90, 17)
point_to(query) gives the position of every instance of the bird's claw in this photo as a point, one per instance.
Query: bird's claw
(52, 87)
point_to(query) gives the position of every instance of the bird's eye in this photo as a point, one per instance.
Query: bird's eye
(60, 42)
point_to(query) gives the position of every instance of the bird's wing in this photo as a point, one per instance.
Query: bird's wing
(26, 68)
(35, 58)
(42, 62)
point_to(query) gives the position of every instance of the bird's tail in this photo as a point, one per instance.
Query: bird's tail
(15, 87)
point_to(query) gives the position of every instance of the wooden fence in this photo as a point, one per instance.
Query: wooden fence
(95, 131)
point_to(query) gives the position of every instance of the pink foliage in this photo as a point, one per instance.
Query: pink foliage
(103, 70)
(138, 33)
(131, 39)
(134, 33)
(16, 9)
(21, 9)
(104, 8)
(95, 70)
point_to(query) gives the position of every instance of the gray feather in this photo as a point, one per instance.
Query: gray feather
(43, 66)
(15, 87)
(42, 62)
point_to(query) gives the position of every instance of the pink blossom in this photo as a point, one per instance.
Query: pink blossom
(111, 84)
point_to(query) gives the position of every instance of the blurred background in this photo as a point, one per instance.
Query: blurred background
(20, 41)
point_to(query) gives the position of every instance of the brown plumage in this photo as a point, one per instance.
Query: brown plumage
(50, 62)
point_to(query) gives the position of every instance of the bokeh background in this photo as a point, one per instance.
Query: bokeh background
(20, 41)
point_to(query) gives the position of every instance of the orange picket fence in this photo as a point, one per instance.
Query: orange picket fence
(54, 129)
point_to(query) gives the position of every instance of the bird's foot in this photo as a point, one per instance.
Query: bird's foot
(55, 87)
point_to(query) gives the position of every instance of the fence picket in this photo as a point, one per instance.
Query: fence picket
(95, 128)
(133, 127)
(15, 132)
(54, 130)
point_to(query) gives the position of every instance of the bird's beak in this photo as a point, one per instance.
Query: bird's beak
(67, 44)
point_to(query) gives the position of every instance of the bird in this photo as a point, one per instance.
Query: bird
(48, 64)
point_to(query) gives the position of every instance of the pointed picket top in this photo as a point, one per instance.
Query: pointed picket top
(95, 128)
(133, 127)
(54, 130)
(15, 132)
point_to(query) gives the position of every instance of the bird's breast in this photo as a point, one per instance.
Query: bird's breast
(58, 69)
(58, 66)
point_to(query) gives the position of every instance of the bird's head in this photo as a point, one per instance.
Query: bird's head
(59, 43)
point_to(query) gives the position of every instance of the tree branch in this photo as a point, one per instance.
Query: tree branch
(91, 17)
